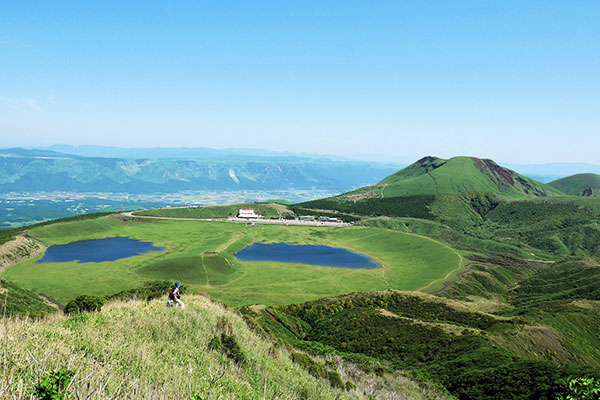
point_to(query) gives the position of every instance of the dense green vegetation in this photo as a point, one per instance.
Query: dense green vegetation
(569, 280)
(558, 228)
(414, 206)
(581, 389)
(578, 185)
(440, 340)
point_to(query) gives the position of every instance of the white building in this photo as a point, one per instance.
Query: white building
(247, 213)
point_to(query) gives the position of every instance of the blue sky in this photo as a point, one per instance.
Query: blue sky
(517, 81)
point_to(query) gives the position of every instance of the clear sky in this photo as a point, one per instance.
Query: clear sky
(517, 81)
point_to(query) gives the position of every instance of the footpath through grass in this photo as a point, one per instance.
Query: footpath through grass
(201, 255)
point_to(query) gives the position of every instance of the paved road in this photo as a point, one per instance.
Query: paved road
(245, 221)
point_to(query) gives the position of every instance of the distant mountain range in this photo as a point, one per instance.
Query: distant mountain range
(174, 170)
(151, 170)
(191, 153)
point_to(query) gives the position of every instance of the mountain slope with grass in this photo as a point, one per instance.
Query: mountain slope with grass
(436, 176)
(143, 350)
(473, 353)
(578, 185)
(15, 300)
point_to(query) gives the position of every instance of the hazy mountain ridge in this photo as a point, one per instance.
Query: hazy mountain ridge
(42, 170)
(552, 171)
(196, 153)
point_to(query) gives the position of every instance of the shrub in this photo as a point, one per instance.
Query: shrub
(215, 343)
(85, 303)
(53, 385)
(580, 389)
(227, 345)
(314, 368)
(232, 349)
(335, 379)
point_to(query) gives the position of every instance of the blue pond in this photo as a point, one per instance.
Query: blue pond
(306, 254)
(97, 250)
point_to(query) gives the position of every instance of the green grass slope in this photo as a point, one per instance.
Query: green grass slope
(435, 176)
(143, 350)
(139, 350)
(18, 301)
(578, 185)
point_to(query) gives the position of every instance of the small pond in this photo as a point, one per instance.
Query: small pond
(98, 250)
(306, 254)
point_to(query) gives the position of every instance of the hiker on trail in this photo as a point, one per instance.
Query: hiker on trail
(175, 296)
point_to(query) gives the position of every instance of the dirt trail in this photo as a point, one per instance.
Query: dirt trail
(205, 270)
(459, 276)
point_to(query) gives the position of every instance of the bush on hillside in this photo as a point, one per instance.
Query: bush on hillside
(85, 303)
(585, 388)
(53, 385)
(228, 345)
(326, 370)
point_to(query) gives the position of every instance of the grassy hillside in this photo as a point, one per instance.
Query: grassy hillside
(201, 254)
(435, 176)
(142, 350)
(18, 301)
(578, 185)
(475, 355)
(544, 226)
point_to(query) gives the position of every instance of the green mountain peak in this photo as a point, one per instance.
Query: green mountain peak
(433, 176)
